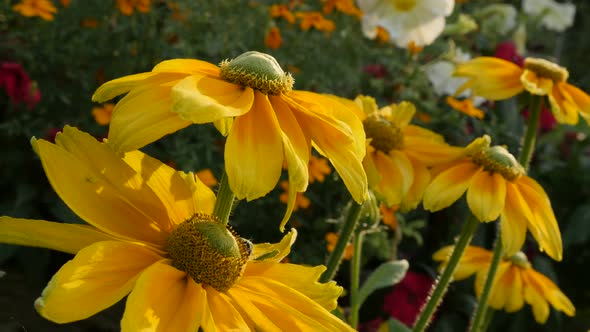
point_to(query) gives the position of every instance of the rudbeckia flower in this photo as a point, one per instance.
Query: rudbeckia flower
(399, 153)
(151, 236)
(497, 186)
(271, 123)
(497, 79)
(406, 21)
(515, 283)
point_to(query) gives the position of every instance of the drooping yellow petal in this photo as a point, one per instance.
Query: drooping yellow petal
(204, 99)
(533, 295)
(491, 78)
(486, 195)
(579, 97)
(514, 219)
(188, 66)
(474, 259)
(421, 179)
(122, 85)
(448, 186)
(396, 173)
(552, 293)
(536, 84)
(223, 312)
(203, 197)
(254, 151)
(142, 117)
(497, 297)
(164, 299)
(512, 282)
(563, 107)
(80, 164)
(99, 276)
(429, 150)
(274, 252)
(68, 238)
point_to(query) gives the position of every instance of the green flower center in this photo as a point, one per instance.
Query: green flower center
(208, 251)
(546, 69)
(520, 259)
(258, 71)
(385, 135)
(497, 159)
(404, 5)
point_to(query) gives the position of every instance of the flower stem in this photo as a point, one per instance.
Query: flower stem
(355, 271)
(352, 218)
(528, 145)
(225, 200)
(487, 318)
(440, 287)
(478, 322)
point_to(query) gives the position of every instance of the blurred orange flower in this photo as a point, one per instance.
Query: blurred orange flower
(102, 114)
(207, 177)
(282, 11)
(273, 38)
(345, 6)
(413, 48)
(90, 22)
(318, 169)
(65, 3)
(388, 215)
(382, 35)
(315, 20)
(301, 201)
(42, 8)
(127, 7)
(465, 106)
(332, 238)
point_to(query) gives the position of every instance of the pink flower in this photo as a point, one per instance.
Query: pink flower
(18, 85)
(507, 51)
(407, 298)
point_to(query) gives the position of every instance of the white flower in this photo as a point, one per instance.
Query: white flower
(440, 74)
(500, 18)
(554, 16)
(417, 21)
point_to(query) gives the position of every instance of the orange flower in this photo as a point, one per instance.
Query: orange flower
(273, 38)
(127, 7)
(315, 20)
(465, 106)
(207, 177)
(90, 22)
(102, 114)
(332, 238)
(382, 35)
(282, 11)
(388, 215)
(65, 3)
(413, 48)
(318, 169)
(42, 8)
(301, 201)
(345, 6)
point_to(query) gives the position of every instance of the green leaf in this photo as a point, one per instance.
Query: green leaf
(387, 274)
(394, 325)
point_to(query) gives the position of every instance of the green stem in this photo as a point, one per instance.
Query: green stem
(528, 145)
(355, 271)
(478, 321)
(487, 319)
(352, 218)
(225, 200)
(442, 283)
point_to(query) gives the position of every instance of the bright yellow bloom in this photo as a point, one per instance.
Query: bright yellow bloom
(331, 239)
(102, 115)
(345, 6)
(127, 7)
(151, 236)
(282, 11)
(42, 8)
(315, 20)
(399, 154)
(271, 123)
(497, 186)
(318, 169)
(207, 177)
(301, 201)
(465, 106)
(497, 79)
(273, 38)
(515, 283)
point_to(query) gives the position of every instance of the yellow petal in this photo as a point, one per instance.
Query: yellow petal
(274, 252)
(373, 175)
(474, 259)
(122, 85)
(448, 186)
(551, 292)
(397, 176)
(256, 319)
(486, 195)
(497, 297)
(187, 66)
(563, 107)
(203, 99)
(533, 295)
(402, 113)
(491, 78)
(514, 219)
(579, 97)
(101, 188)
(164, 299)
(535, 84)
(254, 151)
(68, 238)
(430, 151)
(203, 197)
(223, 312)
(99, 276)
(421, 180)
(512, 281)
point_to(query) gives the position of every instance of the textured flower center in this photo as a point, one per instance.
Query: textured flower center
(208, 251)
(546, 69)
(258, 71)
(404, 5)
(497, 159)
(520, 259)
(385, 136)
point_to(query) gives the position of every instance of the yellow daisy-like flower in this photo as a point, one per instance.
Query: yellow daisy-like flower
(515, 283)
(152, 236)
(271, 122)
(497, 79)
(497, 186)
(399, 154)
(42, 8)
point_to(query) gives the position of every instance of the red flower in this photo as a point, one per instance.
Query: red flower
(507, 51)
(376, 70)
(407, 298)
(546, 119)
(18, 85)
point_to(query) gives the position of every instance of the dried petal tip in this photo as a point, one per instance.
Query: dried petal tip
(546, 69)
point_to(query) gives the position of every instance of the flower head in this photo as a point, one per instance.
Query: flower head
(465, 106)
(497, 79)
(399, 154)
(282, 11)
(418, 21)
(19, 87)
(127, 7)
(273, 38)
(515, 283)
(151, 235)
(318, 169)
(554, 15)
(497, 186)
(332, 239)
(344, 6)
(250, 98)
(315, 20)
(30, 8)
(407, 297)
(102, 115)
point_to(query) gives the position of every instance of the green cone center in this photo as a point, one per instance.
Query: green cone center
(520, 259)
(385, 135)
(546, 69)
(497, 159)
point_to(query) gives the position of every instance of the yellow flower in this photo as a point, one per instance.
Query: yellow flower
(465, 106)
(301, 201)
(497, 186)
(207, 177)
(345, 6)
(497, 79)
(318, 169)
(127, 7)
(315, 20)
(515, 283)
(151, 236)
(273, 38)
(42, 8)
(102, 115)
(399, 154)
(331, 239)
(282, 11)
(271, 123)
